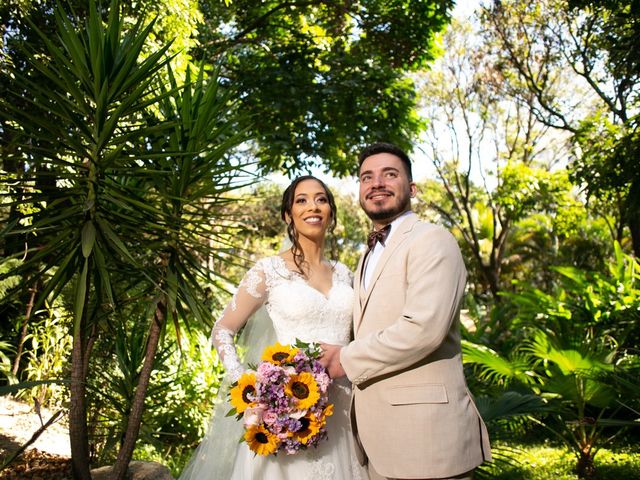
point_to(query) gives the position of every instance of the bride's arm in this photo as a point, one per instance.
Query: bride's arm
(251, 294)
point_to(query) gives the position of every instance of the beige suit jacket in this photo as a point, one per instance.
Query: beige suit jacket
(412, 413)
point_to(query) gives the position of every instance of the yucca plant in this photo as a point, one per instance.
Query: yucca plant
(134, 175)
(198, 174)
(77, 133)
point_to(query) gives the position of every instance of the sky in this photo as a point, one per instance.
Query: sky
(465, 8)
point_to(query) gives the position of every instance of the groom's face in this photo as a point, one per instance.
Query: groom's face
(385, 188)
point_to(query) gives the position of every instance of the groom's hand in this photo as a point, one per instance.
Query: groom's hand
(330, 360)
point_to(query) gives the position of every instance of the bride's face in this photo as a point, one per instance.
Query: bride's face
(310, 212)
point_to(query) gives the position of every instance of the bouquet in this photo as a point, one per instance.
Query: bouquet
(283, 401)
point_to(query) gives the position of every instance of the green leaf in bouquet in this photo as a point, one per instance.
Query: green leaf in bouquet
(300, 344)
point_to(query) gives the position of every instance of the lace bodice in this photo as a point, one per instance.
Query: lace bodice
(300, 311)
(297, 310)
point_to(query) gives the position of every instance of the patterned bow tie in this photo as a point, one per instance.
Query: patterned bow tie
(378, 236)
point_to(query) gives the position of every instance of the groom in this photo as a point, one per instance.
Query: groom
(412, 415)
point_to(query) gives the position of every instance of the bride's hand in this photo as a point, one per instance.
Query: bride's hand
(330, 359)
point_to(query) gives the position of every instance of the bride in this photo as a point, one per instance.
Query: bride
(308, 298)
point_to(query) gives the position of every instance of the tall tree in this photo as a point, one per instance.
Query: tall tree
(491, 155)
(573, 58)
(323, 78)
(20, 22)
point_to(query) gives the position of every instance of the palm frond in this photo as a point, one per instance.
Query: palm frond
(494, 368)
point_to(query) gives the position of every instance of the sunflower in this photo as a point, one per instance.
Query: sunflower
(279, 354)
(261, 440)
(327, 412)
(304, 389)
(242, 395)
(310, 427)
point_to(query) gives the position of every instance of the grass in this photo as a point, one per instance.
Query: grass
(531, 459)
(174, 459)
(550, 462)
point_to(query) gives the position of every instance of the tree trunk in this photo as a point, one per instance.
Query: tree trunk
(23, 330)
(78, 434)
(492, 277)
(632, 214)
(585, 467)
(137, 407)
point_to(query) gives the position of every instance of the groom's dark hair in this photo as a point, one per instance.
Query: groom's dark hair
(383, 147)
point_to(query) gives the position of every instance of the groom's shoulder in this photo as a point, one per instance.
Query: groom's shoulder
(423, 226)
(423, 230)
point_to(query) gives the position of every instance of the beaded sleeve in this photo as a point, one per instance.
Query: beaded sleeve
(251, 294)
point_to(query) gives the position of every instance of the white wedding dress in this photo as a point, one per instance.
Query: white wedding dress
(295, 310)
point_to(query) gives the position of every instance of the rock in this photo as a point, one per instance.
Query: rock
(137, 471)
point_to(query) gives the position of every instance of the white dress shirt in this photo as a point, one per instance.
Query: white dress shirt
(374, 255)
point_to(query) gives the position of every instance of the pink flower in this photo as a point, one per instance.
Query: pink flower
(323, 381)
(270, 417)
(289, 370)
(266, 369)
(297, 414)
(253, 415)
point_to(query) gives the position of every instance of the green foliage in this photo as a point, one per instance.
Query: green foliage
(8, 283)
(178, 403)
(112, 388)
(587, 306)
(176, 20)
(524, 189)
(498, 188)
(497, 370)
(323, 79)
(542, 48)
(568, 347)
(545, 461)
(353, 227)
(530, 222)
(47, 357)
(612, 31)
(8, 309)
(178, 413)
(5, 362)
(173, 458)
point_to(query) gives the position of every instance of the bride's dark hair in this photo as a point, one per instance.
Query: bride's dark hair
(285, 209)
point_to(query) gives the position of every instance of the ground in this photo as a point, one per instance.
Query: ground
(47, 458)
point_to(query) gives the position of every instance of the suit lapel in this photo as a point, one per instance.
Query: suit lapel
(362, 297)
(358, 293)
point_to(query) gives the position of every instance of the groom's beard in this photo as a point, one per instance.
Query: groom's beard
(402, 204)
